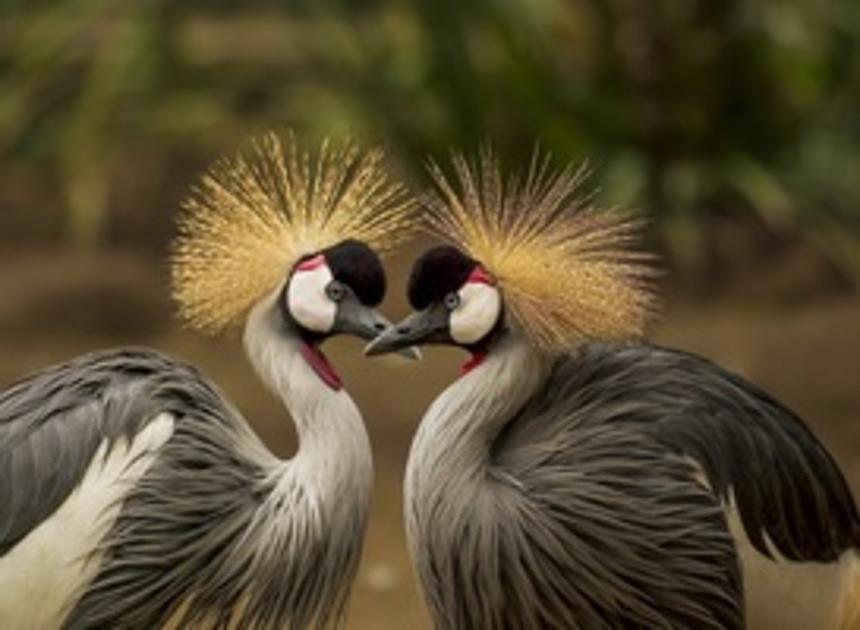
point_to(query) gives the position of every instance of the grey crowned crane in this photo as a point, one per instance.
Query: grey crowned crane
(577, 476)
(134, 495)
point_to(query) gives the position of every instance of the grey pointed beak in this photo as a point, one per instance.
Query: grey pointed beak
(427, 326)
(385, 343)
(355, 318)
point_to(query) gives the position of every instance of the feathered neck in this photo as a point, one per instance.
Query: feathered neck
(458, 430)
(334, 453)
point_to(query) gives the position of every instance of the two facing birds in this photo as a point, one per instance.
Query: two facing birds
(574, 476)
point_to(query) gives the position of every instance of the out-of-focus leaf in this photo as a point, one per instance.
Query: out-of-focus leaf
(689, 111)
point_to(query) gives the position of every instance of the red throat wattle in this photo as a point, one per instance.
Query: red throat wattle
(471, 364)
(318, 361)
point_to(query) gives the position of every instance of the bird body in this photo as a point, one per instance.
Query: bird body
(170, 496)
(577, 476)
(133, 495)
(570, 494)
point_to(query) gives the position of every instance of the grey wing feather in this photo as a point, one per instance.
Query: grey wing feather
(200, 536)
(202, 539)
(784, 482)
(617, 532)
(52, 423)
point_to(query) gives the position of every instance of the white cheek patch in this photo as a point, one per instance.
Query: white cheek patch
(307, 300)
(480, 305)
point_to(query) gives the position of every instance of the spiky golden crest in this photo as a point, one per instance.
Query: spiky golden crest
(565, 267)
(254, 215)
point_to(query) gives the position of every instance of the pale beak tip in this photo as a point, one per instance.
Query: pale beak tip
(372, 349)
(412, 352)
(377, 347)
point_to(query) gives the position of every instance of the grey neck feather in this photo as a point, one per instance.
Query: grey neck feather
(454, 439)
(334, 459)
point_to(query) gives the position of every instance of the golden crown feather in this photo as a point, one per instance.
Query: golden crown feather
(567, 268)
(252, 216)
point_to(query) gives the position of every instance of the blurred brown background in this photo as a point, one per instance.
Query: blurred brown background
(734, 125)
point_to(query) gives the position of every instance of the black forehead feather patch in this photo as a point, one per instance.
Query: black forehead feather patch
(438, 272)
(358, 266)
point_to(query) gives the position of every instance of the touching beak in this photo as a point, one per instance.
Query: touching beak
(427, 326)
(355, 318)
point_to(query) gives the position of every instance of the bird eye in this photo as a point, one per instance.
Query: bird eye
(335, 291)
(452, 301)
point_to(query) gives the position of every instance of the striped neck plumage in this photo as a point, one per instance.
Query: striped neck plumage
(334, 450)
(463, 422)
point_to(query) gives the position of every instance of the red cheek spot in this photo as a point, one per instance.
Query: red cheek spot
(481, 276)
(311, 263)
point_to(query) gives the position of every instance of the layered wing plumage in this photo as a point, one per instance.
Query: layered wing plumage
(200, 538)
(753, 451)
(52, 424)
(578, 537)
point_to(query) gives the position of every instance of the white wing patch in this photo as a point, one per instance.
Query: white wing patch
(785, 594)
(477, 313)
(42, 576)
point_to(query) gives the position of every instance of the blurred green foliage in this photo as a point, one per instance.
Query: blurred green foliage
(702, 113)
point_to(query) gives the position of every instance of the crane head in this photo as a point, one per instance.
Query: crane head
(529, 252)
(456, 301)
(276, 209)
(335, 292)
